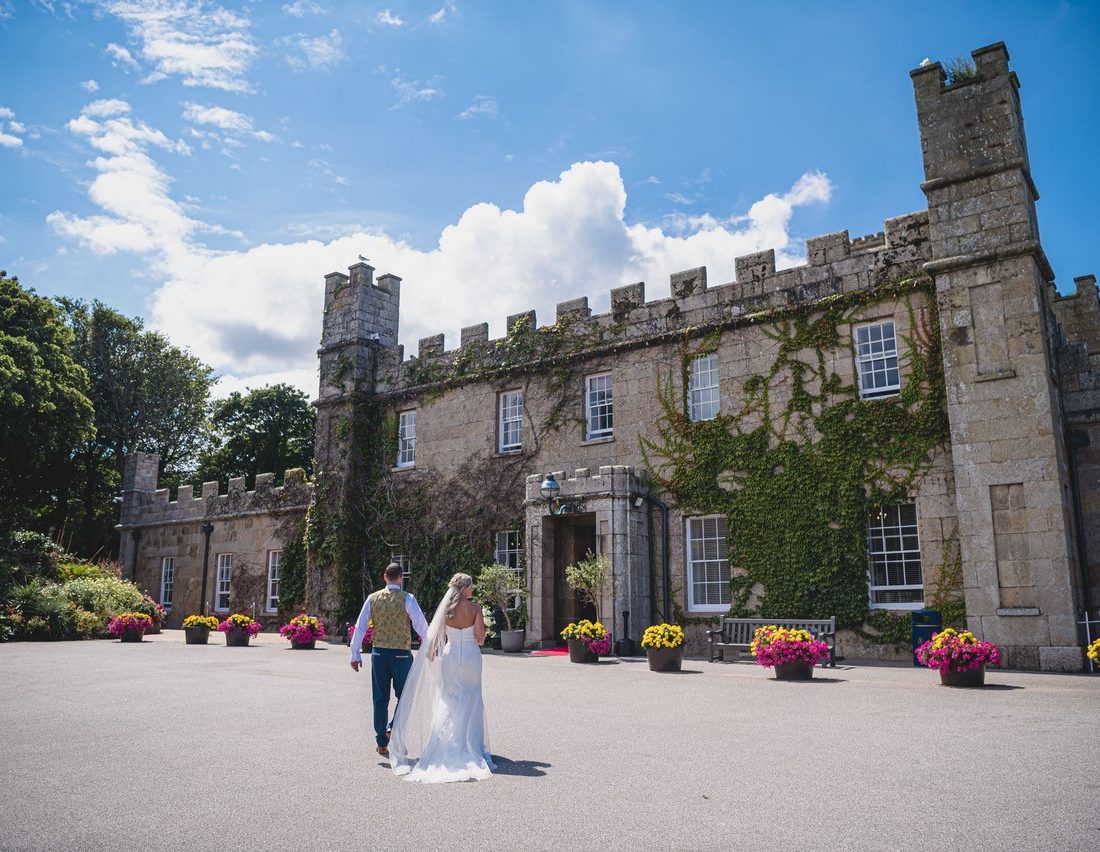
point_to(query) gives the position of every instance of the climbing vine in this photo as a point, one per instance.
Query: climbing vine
(798, 467)
(292, 573)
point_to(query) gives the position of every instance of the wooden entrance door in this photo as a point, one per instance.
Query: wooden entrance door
(574, 537)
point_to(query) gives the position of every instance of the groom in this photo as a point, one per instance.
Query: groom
(392, 610)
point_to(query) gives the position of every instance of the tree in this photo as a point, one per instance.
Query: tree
(148, 395)
(269, 429)
(45, 412)
(590, 578)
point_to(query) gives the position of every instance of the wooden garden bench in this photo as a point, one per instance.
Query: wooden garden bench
(737, 633)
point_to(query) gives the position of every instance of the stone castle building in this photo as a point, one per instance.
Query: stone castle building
(947, 393)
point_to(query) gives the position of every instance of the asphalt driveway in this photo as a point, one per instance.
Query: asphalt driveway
(167, 746)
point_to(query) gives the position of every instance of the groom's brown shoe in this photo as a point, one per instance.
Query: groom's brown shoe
(383, 751)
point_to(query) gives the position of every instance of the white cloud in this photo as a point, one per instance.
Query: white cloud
(9, 140)
(90, 86)
(121, 56)
(482, 105)
(202, 43)
(130, 187)
(387, 18)
(225, 119)
(409, 91)
(317, 51)
(105, 108)
(653, 180)
(439, 16)
(255, 314)
(301, 8)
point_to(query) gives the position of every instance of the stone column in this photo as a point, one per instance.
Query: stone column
(1011, 474)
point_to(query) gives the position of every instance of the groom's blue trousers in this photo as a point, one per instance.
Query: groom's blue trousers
(388, 668)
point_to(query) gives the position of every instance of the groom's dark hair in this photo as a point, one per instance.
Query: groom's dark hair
(393, 572)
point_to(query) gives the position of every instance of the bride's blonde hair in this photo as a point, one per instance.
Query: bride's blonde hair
(459, 583)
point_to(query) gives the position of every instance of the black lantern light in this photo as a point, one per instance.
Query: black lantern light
(551, 493)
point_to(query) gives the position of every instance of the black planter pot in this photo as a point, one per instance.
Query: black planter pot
(794, 671)
(968, 678)
(154, 630)
(580, 653)
(131, 635)
(196, 635)
(665, 659)
(511, 641)
(303, 646)
(236, 637)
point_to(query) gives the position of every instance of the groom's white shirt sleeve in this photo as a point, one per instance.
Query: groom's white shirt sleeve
(360, 631)
(416, 616)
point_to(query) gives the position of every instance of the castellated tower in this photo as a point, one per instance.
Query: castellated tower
(999, 337)
(360, 321)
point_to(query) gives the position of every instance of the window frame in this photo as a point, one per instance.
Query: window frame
(869, 360)
(224, 563)
(406, 446)
(167, 581)
(502, 422)
(689, 564)
(608, 431)
(406, 569)
(274, 561)
(514, 538)
(692, 390)
(904, 555)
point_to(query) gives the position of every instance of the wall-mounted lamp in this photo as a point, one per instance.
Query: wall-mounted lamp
(551, 493)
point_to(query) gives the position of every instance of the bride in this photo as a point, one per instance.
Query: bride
(441, 706)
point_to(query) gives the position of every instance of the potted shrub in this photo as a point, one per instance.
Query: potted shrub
(367, 635)
(238, 629)
(664, 646)
(590, 578)
(587, 640)
(960, 657)
(196, 628)
(498, 586)
(154, 610)
(793, 653)
(129, 626)
(303, 631)
(1093, 653)
(490, 628)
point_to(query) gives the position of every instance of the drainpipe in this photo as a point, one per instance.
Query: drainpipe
(1076, 441)
(135, 535)
(207, 529)
(666, 576)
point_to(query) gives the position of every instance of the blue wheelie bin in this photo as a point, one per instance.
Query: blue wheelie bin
(925, 623)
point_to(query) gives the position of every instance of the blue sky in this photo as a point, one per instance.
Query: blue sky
(203, 164)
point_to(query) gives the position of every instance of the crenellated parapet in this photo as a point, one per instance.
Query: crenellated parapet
(151, 506)
(835, 264)
(1078, 316)
(618, 479)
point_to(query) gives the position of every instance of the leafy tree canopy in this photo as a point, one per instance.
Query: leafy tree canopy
(267, 430)
(148, 395)
(45, 412)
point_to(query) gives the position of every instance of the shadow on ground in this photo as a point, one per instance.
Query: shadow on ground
(526, 768)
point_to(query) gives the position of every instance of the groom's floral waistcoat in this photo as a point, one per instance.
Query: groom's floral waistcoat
(391, 622)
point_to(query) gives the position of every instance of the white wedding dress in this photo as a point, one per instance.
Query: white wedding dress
(444, 710)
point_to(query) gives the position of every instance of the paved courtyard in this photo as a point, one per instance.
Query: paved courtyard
(168, 746)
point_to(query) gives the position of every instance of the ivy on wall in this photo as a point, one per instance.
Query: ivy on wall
(357, 522)
(798, 467)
